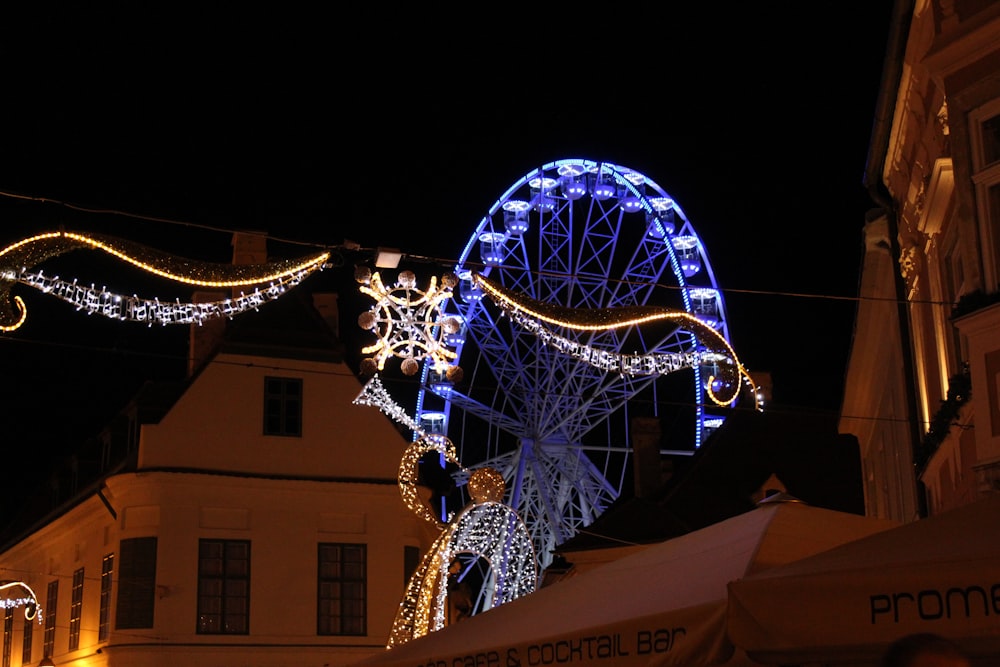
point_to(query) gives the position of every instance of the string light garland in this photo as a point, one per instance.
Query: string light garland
(375, 395)
(723, 385)
(407, 323)
(409, 473)
(14, 594)
(268, 280)
(485, 527)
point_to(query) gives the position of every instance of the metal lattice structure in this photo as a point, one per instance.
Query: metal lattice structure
(587, 235)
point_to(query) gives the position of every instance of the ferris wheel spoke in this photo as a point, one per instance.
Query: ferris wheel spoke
(585, 478)
(555, 483)
(590, 397)
(568, 489)
(653, 257)
(606, 399)
(555, 241)
(556, 394)
(496, 351)
(485, 413)
(597, 249)
(542, 486)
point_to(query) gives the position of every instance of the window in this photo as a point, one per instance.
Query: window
(990, 201)
(8, 635)
(49, 640)
(223, 587)
(136, 583)
(104, 620)
(990, 130)
(29, 636)
(75, 610)
(984, 127)
(341, 595)
(283, 406)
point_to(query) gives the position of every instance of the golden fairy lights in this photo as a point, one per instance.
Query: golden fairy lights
(17, 317)
(491, 530)
(409, 472)
(18, 259)
(18, 594)
(485, 527)
(31, 251)
(486, 485)
(407, 323)
(723, 386)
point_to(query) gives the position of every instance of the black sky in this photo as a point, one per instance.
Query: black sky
(402, 129)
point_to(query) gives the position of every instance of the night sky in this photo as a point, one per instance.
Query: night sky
(402, 130)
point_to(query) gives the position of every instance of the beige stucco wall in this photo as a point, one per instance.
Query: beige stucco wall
(339, 439)
(205, 471)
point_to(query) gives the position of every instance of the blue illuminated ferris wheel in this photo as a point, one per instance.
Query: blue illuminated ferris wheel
(588, 235)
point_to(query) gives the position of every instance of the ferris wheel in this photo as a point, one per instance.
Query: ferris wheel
(584, 235)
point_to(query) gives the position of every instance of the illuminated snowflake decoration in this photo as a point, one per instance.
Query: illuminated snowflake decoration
(408, 323)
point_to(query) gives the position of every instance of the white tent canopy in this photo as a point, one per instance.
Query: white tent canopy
(664, 605)
(940, 574)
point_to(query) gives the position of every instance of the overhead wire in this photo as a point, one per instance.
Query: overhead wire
(443, 262)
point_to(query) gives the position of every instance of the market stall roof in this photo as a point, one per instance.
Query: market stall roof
(664, 605)
(940, 574)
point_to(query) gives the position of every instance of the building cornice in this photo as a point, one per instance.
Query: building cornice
(954, 51)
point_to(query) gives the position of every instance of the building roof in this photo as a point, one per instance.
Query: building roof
(814, 463)
(290, 327)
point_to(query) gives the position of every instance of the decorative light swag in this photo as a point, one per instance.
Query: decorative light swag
(14, 594)
(723, 387)
(267, 281)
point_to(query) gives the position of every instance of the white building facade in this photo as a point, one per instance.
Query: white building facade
(258, 522)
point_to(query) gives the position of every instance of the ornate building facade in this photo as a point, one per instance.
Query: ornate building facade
(922, 392)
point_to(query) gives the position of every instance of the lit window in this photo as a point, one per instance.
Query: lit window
(75, 610)
(49, 642)
(8, 635)
(26, 640)
(223, 587)
(107, 571)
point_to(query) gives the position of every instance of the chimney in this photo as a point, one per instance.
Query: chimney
(249, 248)
(204, 339)
(646, 464)
(326, 304)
